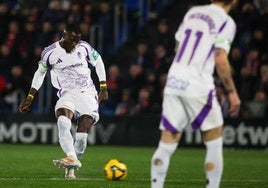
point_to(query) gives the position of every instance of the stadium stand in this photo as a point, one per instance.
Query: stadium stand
(136, 39)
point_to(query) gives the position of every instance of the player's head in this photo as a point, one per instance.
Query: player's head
(231, 3)
(71, 36)
(222, 1)
(225, 2)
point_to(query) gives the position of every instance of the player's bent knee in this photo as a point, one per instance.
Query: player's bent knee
(169, 137)
(85, 123)
(212, 134)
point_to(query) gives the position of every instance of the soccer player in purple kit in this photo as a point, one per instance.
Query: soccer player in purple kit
(67, 60)
(203, 42)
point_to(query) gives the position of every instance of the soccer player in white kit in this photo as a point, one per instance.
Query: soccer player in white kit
(203, 43)
(68, 61)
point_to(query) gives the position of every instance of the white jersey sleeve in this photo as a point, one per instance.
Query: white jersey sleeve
(40, 73)
(179, 33)
(225, 36)
(39, 76)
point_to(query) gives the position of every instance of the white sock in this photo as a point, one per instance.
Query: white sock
(160, 163)
(80, 144)
(65, 137)
(214, 163)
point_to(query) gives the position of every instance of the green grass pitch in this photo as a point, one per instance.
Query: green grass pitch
(31, 166)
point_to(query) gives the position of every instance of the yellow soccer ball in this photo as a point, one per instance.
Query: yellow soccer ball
(115, 170)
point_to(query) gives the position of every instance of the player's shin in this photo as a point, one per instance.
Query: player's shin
(65, 136)
(214, 163)
(80, 144)
(160, 163)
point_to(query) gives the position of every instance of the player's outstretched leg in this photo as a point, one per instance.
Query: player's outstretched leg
(66, 142)
(65, 137)
(160, 163)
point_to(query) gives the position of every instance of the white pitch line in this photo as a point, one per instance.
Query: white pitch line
(224, 180)
(145, 180)
(51, 179)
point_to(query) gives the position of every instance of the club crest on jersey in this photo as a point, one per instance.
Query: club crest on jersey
(59, 61)
(79, 55)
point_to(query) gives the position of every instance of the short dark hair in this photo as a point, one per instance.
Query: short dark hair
(73, 28)
(226, 2)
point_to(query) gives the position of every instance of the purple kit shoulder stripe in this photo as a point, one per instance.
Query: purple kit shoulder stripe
(86, 50)
(222, 26)
(47, 62)
(196, 124)
(209, 54)
(84, 42)
(168, 125)
(212, 47)
(47, 49)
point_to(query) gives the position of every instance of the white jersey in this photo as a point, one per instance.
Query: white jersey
(70, 71)
(203, 29)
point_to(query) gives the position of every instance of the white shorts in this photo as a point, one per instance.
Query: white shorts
(202, 113)
(80, 103)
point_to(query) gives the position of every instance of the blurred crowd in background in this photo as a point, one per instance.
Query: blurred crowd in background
(136, 40)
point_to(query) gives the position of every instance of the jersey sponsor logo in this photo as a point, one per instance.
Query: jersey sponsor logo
(178, 84)
(72, 66)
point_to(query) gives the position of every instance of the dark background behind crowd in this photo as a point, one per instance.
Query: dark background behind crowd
(136, 41)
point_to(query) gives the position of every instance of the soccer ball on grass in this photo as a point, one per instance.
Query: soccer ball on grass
(115, 170)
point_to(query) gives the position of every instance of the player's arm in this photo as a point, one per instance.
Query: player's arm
(223, 69)
(37, 81)
(100, 70)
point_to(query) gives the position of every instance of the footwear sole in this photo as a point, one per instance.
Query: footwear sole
(62, 164)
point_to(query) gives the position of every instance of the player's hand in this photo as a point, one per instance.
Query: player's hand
(234, 103)
(103, 95)
(25, 105)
